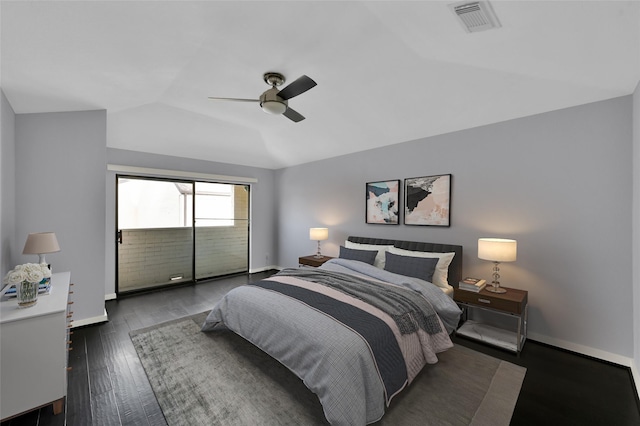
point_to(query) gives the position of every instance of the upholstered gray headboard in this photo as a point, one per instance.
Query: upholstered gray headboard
(455, 268)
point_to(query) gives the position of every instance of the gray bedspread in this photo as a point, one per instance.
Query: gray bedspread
(447, 310)
(332, 360)
(408, 309)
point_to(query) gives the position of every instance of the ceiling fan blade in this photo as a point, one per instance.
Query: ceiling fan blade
(233, 99)
(293, 115)
(297, 87)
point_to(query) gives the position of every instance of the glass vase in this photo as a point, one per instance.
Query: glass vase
(27, 294)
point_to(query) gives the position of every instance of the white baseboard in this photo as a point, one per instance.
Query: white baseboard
(636, 377)
(88, 321)
(110, 296)
(584, 350)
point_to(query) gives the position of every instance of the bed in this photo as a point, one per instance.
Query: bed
(356, 334)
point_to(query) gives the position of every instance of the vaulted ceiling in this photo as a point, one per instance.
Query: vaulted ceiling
(387, 71)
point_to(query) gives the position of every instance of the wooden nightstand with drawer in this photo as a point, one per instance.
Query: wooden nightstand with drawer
(513, 303)
(312, 260)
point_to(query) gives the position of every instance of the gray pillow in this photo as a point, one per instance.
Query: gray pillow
(409, 266)
(366, 256)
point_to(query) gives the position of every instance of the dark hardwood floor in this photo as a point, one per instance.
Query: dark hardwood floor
(108, 386)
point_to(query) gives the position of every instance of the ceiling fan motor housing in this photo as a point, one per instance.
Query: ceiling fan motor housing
(271, 103)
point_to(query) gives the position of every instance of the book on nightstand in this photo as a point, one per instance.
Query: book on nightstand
(472, 284)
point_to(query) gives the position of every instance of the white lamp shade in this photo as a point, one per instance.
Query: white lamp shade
(40, 243)
(318, 234)
(497, 249)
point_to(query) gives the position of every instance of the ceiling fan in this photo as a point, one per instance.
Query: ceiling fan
(275, 101)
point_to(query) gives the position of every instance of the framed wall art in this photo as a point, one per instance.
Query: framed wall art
(382, 202)
(427, 200)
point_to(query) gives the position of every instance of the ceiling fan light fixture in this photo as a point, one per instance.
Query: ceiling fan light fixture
(273, 107)
(276, 102)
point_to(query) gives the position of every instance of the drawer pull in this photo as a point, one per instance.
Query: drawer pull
(69, 368)
(70, 315)
(70, 349)
(70, 303)
(487, 301)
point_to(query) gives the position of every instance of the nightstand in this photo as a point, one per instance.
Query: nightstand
(313, 260)
(513, 304)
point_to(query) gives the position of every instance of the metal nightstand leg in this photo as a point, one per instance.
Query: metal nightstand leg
(522, 329)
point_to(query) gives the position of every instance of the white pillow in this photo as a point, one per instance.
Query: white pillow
(441, 274)
(380, 257)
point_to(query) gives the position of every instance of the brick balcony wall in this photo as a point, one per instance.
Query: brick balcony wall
(150, 257)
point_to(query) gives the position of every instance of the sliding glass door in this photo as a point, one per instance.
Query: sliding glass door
(161, 242)
(221, 228)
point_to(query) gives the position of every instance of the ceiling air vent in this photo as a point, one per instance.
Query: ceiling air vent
(475, 16)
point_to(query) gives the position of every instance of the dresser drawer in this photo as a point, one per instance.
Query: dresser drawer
(513, 301)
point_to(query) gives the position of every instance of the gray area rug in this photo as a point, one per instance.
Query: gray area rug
(218, 378)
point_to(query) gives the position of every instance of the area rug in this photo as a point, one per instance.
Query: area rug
(218, 378)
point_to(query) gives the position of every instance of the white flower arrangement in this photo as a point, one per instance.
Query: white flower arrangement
(28, 272)
(28, 279)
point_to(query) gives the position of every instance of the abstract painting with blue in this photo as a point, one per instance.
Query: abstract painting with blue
(382, 202)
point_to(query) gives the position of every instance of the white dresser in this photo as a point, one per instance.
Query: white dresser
(34, 351)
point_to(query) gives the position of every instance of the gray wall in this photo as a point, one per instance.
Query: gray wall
(7, 186)
(636, 234)
(560, 183)
(60, 163)
(263, 202)
(61, 184)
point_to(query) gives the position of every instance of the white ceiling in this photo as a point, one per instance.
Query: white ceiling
(387, 72)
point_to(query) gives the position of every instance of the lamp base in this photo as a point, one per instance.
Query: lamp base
(495, 284)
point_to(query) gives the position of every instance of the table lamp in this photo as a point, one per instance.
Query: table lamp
(497, 250)
(318, 234)
(41, 243)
